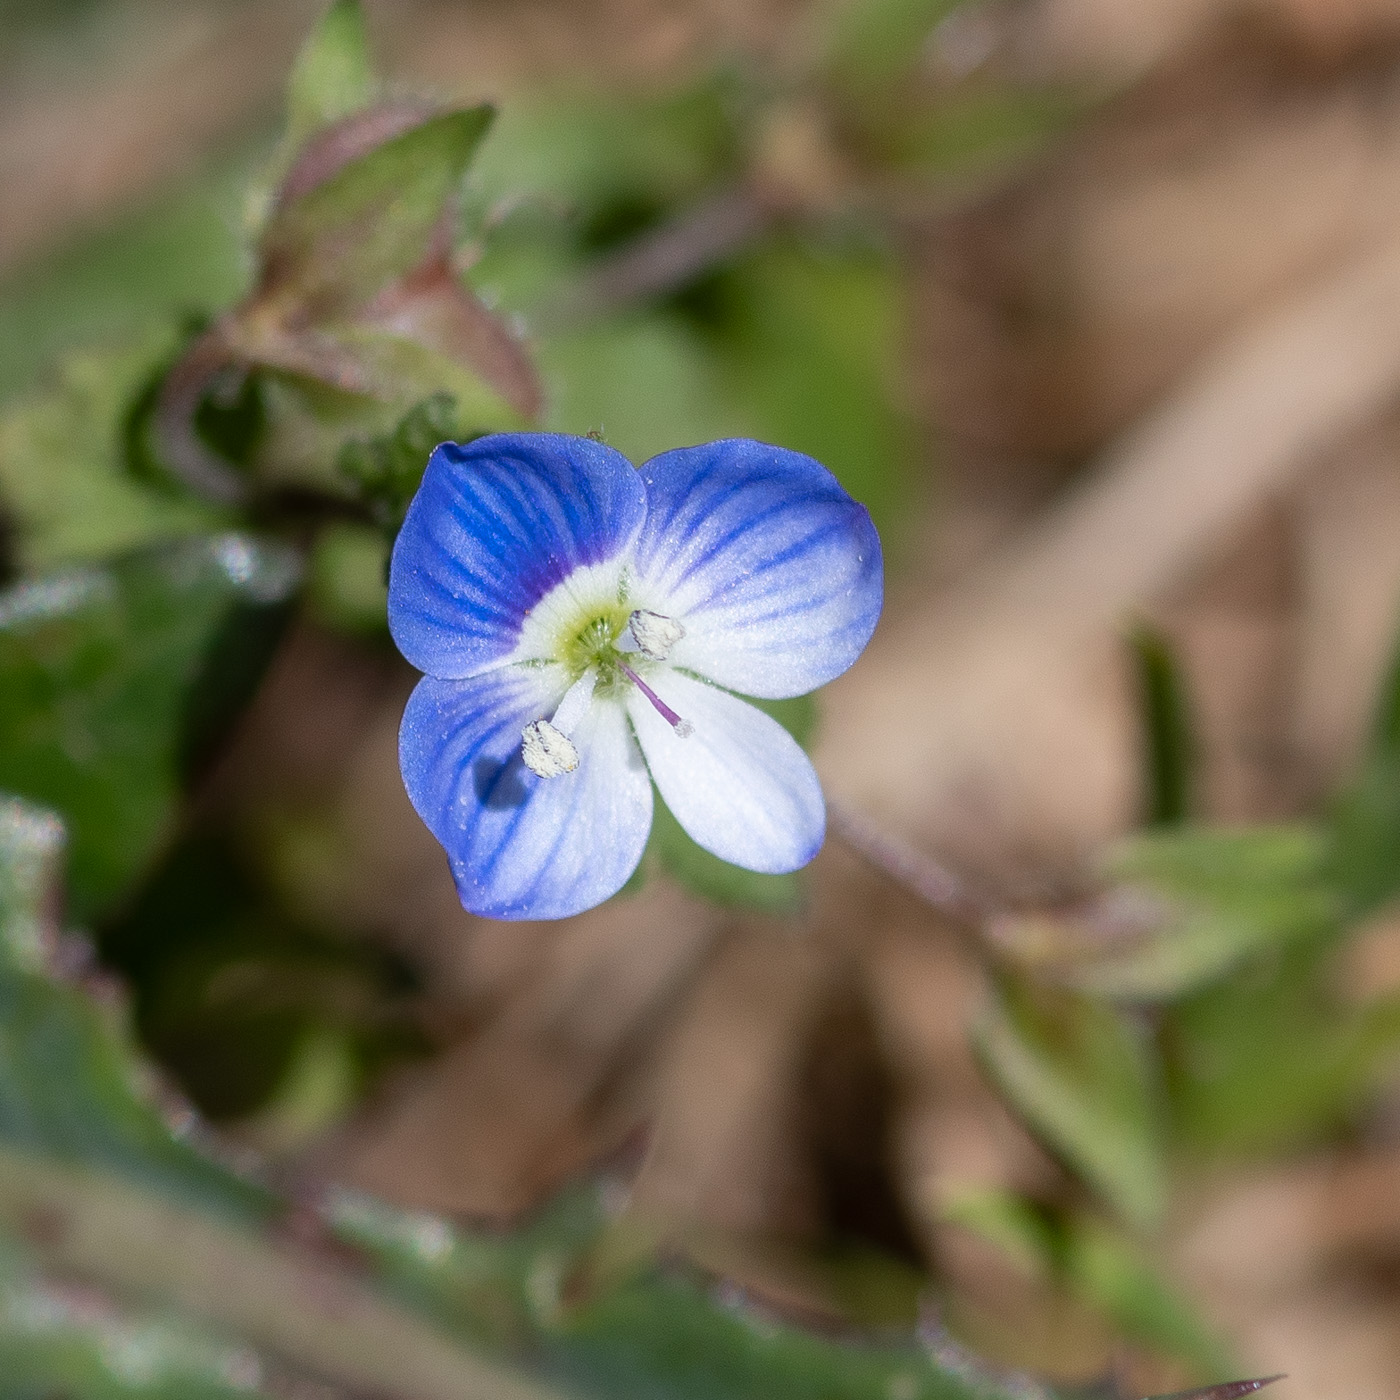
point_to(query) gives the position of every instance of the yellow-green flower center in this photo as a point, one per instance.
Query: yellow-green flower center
(594, 643)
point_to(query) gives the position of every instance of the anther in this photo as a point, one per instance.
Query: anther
(683, 727)
(654, 633)
(547, 752)
(545, 744)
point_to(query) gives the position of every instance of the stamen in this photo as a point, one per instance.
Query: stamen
(654, 633)
(545, 744)
(547, 752)
(575, 703)
(683, 727)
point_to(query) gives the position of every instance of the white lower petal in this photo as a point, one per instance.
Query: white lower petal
(739, 783)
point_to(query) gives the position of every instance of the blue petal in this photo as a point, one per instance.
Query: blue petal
(495, 526)
(738, 783)
(523, 847)
(775, 572)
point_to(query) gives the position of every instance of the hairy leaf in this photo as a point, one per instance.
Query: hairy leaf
(373, 221)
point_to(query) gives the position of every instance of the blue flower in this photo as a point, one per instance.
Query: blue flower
(583, 626)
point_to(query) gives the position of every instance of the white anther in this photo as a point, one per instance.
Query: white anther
(547, 752)
(654, 633)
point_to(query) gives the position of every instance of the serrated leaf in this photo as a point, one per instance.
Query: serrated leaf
(388, 467)
(115, 682)
(332, 75)
(664, 1336)
(1084, 1080)
(373, 221)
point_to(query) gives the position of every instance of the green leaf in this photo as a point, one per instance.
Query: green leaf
(347, 587)
(69, 1087)
(869, 43)
(332, 76)
(1366, 816)
(710, 877)
(129, 277)
(1365, 823)
(1098, 1266)
(59, 1340)
(1020, 1229)
(230, 986)
(115, 682)
(372, 222)
(62, 472)
(1113, 1273)
(1084, 1079)
(1269, 1058)
(966, 135)
(1168, 743)
(55, 1343)
(1211, 899)
(665, 1337)
(646, 383)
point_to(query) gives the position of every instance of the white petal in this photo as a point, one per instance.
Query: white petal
(739, 783)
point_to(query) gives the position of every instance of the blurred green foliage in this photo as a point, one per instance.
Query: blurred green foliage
(118, 681)
(1082, 1074)
(70, 1092)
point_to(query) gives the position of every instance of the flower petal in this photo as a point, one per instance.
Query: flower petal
(775, 572)
(497, 524)
(520, 846)
(739, 783)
